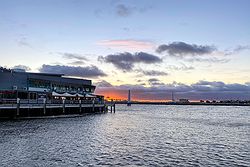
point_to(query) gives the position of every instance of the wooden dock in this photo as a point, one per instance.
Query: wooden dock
(26, 108)
(110, 107)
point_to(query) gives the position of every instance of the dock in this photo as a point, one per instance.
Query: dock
(28, 108)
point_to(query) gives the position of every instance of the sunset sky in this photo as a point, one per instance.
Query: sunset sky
(198, 49)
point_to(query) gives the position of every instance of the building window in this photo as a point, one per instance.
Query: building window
(33, 95)
(23, 95)
(36, 83)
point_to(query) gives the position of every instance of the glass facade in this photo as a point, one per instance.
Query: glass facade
(60, 87)
(38, 83)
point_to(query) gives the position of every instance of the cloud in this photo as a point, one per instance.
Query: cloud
(241, 48)
(181, 68)
(163, 73)
(103, 83)
(126, 29)
(219, 86)
(181, 49)
(22, 67)
(88, 71)
(127, 44)
(155, 82)
(154, 73)
(211, 90)
(79, 62)
(193, 52)
(73, 56)
(208, 60)
(23, 41)
(123, 10)
(126, 61)
(77, 59)
(98, 13)
(237, 49)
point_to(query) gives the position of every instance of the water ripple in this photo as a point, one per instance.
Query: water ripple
(134, 136)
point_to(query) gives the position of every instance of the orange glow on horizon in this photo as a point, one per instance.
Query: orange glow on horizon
(110, 95)
(123, 97)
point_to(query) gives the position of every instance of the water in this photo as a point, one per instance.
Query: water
(140, 135)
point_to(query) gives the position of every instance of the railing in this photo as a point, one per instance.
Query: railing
(42, 101)
(77, 106)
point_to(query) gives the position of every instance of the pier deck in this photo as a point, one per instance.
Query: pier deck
(37, 109)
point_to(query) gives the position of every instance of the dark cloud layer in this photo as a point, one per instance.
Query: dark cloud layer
(126, 61)
(200, 90)
(181, 49)
(88, 71)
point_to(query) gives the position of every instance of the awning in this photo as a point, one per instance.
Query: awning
(57, 94)
(79, 95)
(63, 95)
(72, 95)
(68, 95)
(90, 95)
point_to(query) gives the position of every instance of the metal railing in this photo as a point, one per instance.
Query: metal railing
(42, 101)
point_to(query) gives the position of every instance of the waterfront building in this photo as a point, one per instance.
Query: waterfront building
(26, 85)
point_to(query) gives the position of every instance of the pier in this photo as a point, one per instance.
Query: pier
(110, 107)
(37, 108)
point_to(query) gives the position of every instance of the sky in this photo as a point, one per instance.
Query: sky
(196, 49)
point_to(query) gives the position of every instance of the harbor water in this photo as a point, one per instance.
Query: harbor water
(139, 135)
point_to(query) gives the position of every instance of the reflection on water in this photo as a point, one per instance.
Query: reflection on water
(140, 135)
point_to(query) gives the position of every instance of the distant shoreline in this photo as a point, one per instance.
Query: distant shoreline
(188, 103)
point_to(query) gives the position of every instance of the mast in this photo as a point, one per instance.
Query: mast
(129, 98)
(172, 96)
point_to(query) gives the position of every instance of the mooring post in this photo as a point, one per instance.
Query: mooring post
(104, 107)
(111, 109)
(44, 106)
(93, 106)
(114, 107)
(18, 107)
(63, 106)
(80, 105)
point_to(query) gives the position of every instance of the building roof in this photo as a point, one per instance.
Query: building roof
(55, 78)
(46, 74)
